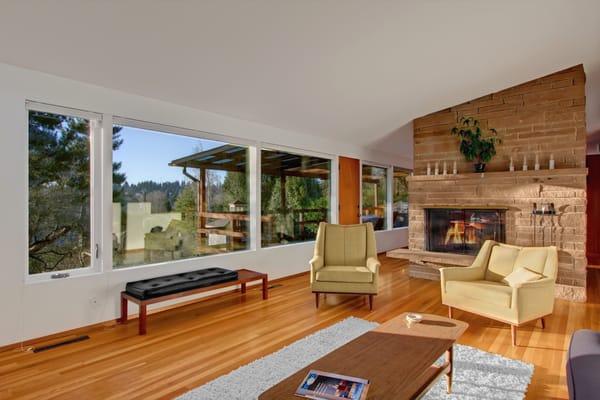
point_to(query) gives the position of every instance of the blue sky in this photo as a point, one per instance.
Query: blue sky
(145, 155)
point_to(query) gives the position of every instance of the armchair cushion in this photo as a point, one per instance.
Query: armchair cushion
(532, 258)
(520, 276)
(501, 263)
(344, 274)
(494, 293)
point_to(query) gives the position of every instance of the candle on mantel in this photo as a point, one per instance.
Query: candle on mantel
(551, 162)
(511, 166)
(454, 171)
(428, 169)
(437, 168)
(537, 162)
(525, 163)
(445, 169)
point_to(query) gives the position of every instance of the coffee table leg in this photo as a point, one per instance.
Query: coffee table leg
(243, 287)
(265, 288)
(450, 361)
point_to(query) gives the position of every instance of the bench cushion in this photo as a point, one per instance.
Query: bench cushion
(169, 284)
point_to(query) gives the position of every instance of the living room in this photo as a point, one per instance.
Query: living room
(211, 200)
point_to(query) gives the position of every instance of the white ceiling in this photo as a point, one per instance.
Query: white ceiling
(346, 69)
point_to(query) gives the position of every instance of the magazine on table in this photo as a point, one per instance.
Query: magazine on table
(321, 385)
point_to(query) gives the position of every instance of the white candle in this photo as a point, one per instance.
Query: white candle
(537, 162)
(511, 167)
(437, 168)
(445, 168)
(524, 163)
(428, 168)
(454, 171)
(551, 162)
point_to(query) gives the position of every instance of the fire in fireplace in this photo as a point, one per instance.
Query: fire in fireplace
(462, 230)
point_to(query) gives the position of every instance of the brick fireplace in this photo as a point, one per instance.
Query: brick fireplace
(541, 118)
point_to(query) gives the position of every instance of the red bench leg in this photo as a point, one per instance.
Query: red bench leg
(265, 288)
(142, 322)
(124, 302)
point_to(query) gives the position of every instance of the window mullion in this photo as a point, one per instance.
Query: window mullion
(105, 207)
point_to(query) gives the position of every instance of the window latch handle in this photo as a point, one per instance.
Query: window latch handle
(97, 250)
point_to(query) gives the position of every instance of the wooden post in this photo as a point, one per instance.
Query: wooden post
(282, 194)
(243, 289)
(202, 205)
(317, 299)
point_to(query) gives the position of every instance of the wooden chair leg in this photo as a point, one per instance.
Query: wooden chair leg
(513, 334)
(543, 323)
(449, 312)
(317, 299)
(371, 302)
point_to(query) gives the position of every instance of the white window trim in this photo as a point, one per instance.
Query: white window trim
(175, 130)
(96, 121)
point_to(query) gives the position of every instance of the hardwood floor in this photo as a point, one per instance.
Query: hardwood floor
(189, 345)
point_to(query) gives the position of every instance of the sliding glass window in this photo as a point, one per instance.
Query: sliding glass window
(400, 198)
(60, 200)
(176, 197)
(295, 196)
(374, 196)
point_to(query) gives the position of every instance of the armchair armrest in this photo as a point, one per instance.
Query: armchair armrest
(316, 263)
(373, 265)
(544, 282)
(461, 273)
(472, 273)
(533, 299)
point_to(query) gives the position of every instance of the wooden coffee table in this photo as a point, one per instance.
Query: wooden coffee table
(397, 360)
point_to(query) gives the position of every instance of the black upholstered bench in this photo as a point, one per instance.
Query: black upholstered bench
(150, 291)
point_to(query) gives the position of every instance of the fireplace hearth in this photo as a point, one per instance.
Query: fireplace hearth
(462, 230)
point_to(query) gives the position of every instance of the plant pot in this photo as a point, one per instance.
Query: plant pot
(479, 167)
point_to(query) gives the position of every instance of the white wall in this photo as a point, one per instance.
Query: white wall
(30, 310)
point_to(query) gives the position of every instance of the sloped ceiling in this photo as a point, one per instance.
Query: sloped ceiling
(350, 70)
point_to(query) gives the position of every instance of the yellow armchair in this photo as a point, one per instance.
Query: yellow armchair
(345, 261)
(495, 287)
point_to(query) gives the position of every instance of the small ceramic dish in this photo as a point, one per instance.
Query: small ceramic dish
(413, 318)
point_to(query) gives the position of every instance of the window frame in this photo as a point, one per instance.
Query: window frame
(96, 121)
(196, 134)
(333, 187)
(388, 192)
(408, 173)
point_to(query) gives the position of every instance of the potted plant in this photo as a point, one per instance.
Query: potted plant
(476, 144)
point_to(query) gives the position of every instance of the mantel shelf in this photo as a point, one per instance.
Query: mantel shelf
(543, 173)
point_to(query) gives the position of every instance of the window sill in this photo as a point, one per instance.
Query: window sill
(278, 246)
(179, 262)
(46, 277)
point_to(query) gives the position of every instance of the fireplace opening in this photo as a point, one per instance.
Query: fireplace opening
(461, 230)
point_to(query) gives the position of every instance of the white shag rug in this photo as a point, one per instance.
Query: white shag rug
(477, 374)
